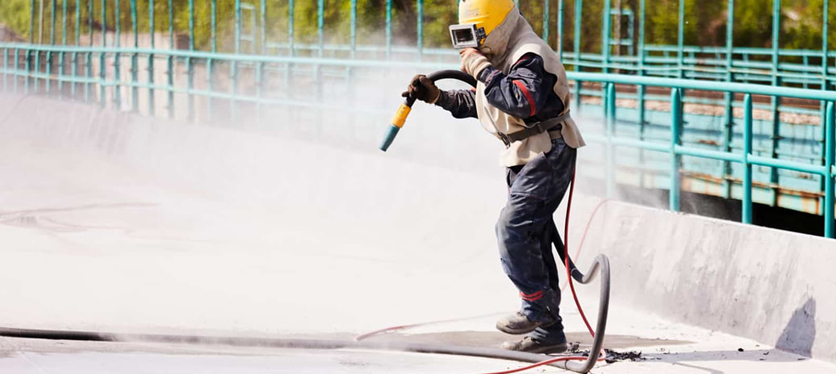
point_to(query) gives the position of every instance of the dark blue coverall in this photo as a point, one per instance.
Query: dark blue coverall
(525, 229)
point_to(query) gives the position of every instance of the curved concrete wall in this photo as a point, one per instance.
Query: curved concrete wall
(772, 286)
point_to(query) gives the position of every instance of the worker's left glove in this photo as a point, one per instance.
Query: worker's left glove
(473, 62)
(422, 88)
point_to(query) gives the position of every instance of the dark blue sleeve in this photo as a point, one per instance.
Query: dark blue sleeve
(525, 91)
(461, 103)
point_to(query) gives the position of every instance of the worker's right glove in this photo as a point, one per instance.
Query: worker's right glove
(422, 88)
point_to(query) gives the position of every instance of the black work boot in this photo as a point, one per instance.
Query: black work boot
(518, 324)
(531, 345)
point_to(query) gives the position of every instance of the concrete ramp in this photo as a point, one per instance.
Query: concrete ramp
(115, 222)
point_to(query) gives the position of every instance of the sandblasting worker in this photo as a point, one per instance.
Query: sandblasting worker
(522, 98)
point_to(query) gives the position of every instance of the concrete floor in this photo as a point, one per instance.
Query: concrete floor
(206, 231)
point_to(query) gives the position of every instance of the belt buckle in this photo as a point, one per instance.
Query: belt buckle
(504, 137)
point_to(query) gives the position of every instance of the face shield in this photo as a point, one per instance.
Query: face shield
(467, 36)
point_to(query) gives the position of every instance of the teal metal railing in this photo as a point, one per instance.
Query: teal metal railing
(160, 69)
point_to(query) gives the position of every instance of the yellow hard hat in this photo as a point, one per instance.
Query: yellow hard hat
(485, 14)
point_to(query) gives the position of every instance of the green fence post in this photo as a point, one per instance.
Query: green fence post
(48, 79)
(642, 90)
(559, 31)
(829, 186)
(5, 70)
(388, 29)
(420, 22)
(170, 61)
(88, 57)
(747, 167)
(74, 68)
(134, 60)
(680, 40)
(609, 113)
(728, 120)
(117, 59)
(824, 83)
(14, 85)
(103, 59)
(605, 38)
(776, 101)
(577, 37)
(152, 31)
(190, 66)
(210, 63)
(546, 21)
(676, 141)
(61, 54)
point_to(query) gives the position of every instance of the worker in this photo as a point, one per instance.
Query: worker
(522, 97)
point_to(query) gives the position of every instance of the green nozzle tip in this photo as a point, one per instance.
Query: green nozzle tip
(390, 137)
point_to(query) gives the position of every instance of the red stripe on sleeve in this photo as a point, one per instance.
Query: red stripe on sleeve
(527, 96)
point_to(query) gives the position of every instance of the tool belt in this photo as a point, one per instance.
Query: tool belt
(549, 125)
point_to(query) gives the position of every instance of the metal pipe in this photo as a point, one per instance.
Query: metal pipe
(747, 154)
(151, 60)
(728, 120)
(103, 58)
(577, 36)
(190, 66)
(605, 46)
(676, 140)
(546, 21)
(829, 202)
(134, 60)
(170, 61)
(210, 63)
(641, 89)
(609, 115)
(420, 30)
(776, 100)
(680, 39)
(388, 29)
(559, 31)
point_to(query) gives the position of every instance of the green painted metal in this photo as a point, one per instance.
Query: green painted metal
(559, 31)
(74, 59)
(420, 28)
(676, 140)
(388, 29)
(830, 143)
(61, 55)
(103, 58)
(577, 52)
(213, 46)
(728, 120)
(610, 120)
(190, 65)
(776, 100)
(152, 32)
(680, 39)
(117, 58)
(605, 37)
(747, 166)
(545, 21)
(170, 60)
(134, 60)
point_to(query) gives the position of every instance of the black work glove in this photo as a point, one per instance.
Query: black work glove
(422, 88)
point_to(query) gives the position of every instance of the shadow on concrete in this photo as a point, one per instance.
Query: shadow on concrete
(800, 333)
